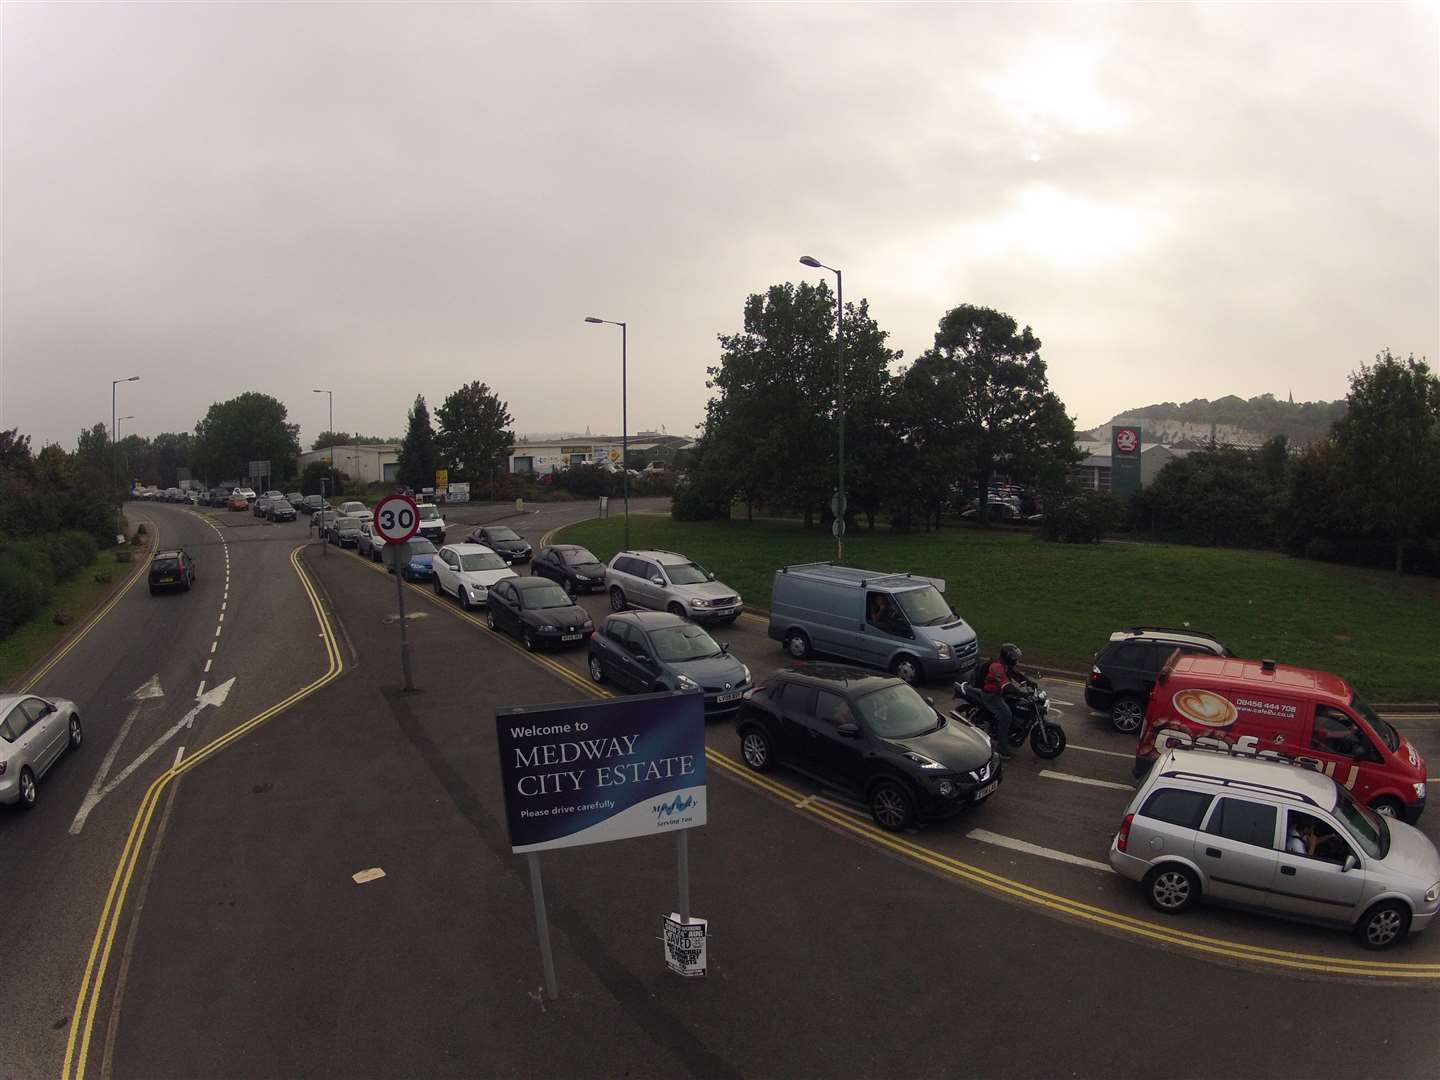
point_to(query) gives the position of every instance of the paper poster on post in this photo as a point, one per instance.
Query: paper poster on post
(598, 771)
(685, 944)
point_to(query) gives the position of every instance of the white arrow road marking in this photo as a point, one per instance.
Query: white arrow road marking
(150, 689)
(215, 697)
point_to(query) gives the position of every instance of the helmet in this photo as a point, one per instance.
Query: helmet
(1010, 654)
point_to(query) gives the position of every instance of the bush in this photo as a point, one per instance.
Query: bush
(72, 551)
(700, 502)
(22, 594)
(1080, 517)
(589, 481)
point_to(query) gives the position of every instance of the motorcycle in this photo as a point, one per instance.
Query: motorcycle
(1029, 717)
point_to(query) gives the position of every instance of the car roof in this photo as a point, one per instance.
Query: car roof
(647, 620)
(470, 549)
(856, 680)
(1261, 675)
(664, 558)
(1240, 773)
(533, 583)
(1167, 633)
(169, 553)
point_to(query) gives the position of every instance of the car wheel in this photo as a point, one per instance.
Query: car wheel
(908, 668)
(1172, 888)
(490, 620)
(1384, 925)
(529, 639)
(463, 595)
(891, 806)
(676, 609)
(1047, 740)
(435, 584)
(1391, 808)
(797, 644)
(77, 733)
(755, 748)
(617, 599)
(1127, 714)
(597, 670)
(27, 788)
(566, 584)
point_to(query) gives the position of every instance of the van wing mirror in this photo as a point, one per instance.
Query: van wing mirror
(849, 729)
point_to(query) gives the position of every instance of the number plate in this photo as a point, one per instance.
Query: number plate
(163, 580)
(986, 791)
(728, 697)
(571, 637)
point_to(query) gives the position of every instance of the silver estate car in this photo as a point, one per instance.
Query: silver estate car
(34, 732)
(666, 581)
(1275, 838)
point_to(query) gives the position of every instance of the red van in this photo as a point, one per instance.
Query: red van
(1282, 713)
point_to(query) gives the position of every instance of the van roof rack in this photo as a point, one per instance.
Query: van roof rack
(1172, 630)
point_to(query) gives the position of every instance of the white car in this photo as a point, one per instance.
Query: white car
(34, 732)
(248, 494)
(354, 509)
(467, 572)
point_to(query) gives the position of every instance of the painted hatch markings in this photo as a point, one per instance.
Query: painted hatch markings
(1010, 843)
(87, 1001)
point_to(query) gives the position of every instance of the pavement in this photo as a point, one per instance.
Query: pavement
(245, 947)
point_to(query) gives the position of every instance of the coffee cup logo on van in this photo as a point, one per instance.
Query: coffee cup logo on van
(1203, 707)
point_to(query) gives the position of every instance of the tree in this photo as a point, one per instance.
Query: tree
(1388, 444)
(327, 439)
(1009, 420)
(250, 427)
(418, 456)
(474, 431)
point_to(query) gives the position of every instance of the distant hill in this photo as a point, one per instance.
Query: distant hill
(1234, 421)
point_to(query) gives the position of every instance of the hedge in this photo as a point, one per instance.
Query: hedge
(30, 570)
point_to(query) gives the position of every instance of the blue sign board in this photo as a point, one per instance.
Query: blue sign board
(598, 771)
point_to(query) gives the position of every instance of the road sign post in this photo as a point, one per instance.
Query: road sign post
(397, 519)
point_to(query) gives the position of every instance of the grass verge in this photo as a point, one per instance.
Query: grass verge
(77, 598)
(1060, 602)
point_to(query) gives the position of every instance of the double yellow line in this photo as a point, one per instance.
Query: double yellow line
(87, 1002)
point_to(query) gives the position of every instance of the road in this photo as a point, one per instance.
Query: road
(243, 946)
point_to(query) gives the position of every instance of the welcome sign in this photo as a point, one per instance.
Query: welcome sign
(598, 771)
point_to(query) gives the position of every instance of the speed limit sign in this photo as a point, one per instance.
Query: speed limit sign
(397, 518)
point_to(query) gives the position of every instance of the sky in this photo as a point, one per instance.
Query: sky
(385, 200)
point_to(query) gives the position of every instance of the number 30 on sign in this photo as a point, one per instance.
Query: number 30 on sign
(396, 518)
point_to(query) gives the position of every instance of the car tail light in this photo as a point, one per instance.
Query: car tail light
(1122, 839)
(1094, 674)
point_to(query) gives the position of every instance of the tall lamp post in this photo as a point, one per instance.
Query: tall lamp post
(331, 395)
(839, 506)
(624, 422)
(115, 448)
(118, 421)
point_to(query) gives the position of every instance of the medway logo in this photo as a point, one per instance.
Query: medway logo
(676, 805)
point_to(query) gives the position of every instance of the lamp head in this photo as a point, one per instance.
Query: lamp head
(592, 318)
(810, 260)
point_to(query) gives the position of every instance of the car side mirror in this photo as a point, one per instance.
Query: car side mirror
(710, 576)
(930, 701)
(849, 729)
(1350, 863)
(657, 581)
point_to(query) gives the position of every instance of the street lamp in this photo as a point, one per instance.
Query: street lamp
(118, 419)
(115, 447)
(624, 422)
(331, 395)
(839, 507)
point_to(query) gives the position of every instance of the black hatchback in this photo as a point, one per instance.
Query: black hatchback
(872, 736)
(536, 611)
(503, 540)
(1125, 670)
(173, 569)
(651, 651)
(570, 566)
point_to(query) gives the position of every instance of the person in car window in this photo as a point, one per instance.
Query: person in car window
(1314, 839)
(882, 613)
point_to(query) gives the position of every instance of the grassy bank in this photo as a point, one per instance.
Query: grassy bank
(77, 598)
(1060, 602)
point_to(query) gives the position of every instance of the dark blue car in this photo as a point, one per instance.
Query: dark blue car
(419, 556)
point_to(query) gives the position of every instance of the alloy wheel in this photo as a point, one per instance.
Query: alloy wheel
(889, 807)
(1384, 927)
(755, 750)
(1171, 890)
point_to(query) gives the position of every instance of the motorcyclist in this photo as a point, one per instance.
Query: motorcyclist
(1001, 675)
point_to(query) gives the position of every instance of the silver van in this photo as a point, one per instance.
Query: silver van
(1275, 838)
(896, 622)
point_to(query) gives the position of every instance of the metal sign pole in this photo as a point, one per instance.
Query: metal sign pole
(542, 926)
(404, 633)
(682, 861)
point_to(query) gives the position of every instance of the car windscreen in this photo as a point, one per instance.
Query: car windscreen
(429, 513)
(580, 557)
(549, 596)
(503, 533)
(925, 607)
(680, 643)
(1378, 724)
(421, 547)
(348, 524)
(165, 566)
(687, 574)
(482, 560)
(896, 712)
(1366, 827)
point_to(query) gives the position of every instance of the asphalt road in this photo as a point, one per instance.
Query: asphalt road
(245, 948)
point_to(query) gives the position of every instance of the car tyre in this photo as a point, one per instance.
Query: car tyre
(797, 644)
(892, 806)
(676, 609)
(77, 733)
(1127, 714)
(906, 667)
(617, 599)
(756, 749)
(1384, 926)
(462, 594)
(565, 583)
(597, 669)
(528, 639)
(435, 584)
(1390, 807)
(27, 789)
(1172, 888)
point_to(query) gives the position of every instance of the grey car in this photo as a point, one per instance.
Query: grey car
(1276, 838)
(667, 581)
(345, 532)
(654, 651)
(34, 732)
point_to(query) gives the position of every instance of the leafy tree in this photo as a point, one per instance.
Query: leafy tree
(15, 454)
(474, 431)
(250, 427)
(418, 455)
(1389, 449)
(1224, 496)
(318, 471)
(327, 439)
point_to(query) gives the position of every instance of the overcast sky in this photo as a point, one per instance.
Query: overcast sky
(390, 199)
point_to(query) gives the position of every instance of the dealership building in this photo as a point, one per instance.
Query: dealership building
(369, 464)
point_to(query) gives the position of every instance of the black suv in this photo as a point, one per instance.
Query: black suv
(871, 735)
(173, 569)
(1124, 671)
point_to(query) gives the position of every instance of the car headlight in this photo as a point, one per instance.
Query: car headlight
(1433, 893)
(695, 601)
(923, 761)
(589, 625)
(942, 650)
(478, 591)
(546, 628)
(945, 788)
(582, 577)
(1420, 790)
(739, 599)
(686, 683)
(746, 670)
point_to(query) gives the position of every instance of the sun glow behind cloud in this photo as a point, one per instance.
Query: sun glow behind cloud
(1051, 88)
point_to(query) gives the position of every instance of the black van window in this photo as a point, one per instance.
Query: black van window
(1244, 822)
(1177, 806)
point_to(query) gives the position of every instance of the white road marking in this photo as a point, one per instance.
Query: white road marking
(1051, 775)
(1093, 750)
(985, 836)
(207, 665)
(150, 689)
(367, 875)
(217, 631)
(179, 753)
(222, 616)
(214, 645)
(223, 605)
(201, 691)
(93, 795)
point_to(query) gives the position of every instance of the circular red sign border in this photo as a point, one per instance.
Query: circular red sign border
(414, 510)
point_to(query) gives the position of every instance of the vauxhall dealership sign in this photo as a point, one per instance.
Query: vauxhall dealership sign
(594, 772)
(1125, 447)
